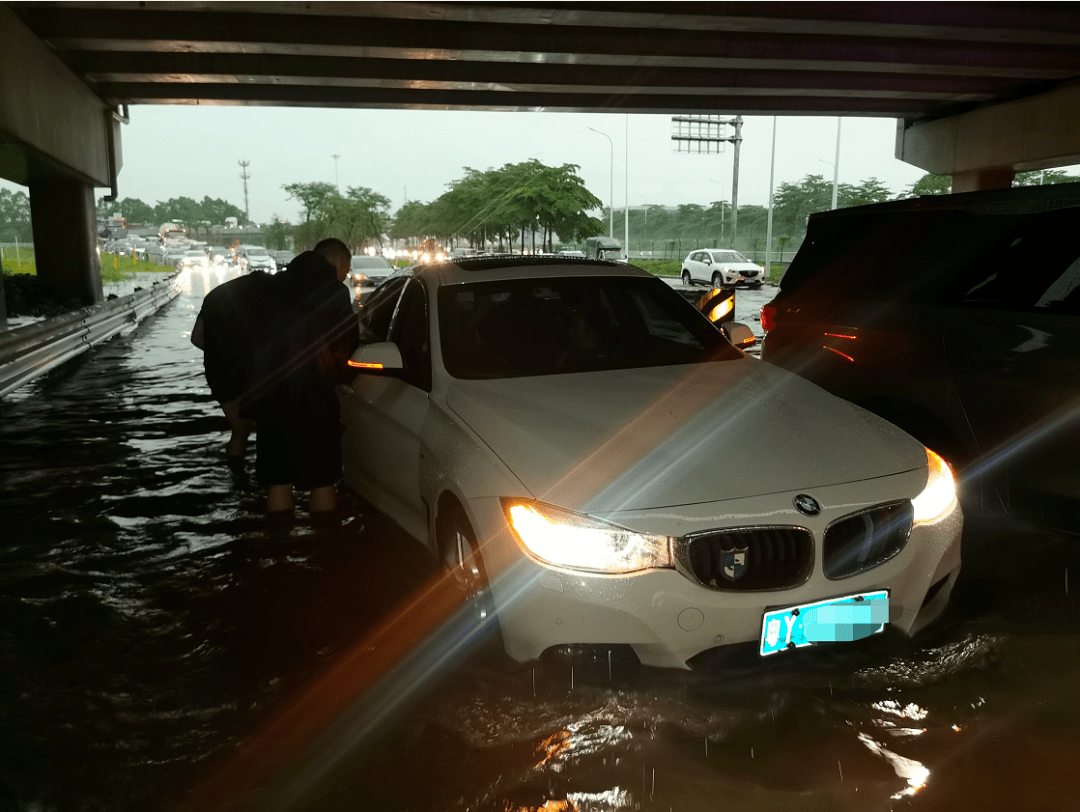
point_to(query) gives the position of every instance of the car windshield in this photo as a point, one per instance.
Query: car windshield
(515, 328)
(369, 263)
(728, 256)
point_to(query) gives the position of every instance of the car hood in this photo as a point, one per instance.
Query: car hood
(665, 436)
(738, 266)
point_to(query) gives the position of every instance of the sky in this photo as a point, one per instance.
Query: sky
(174, 151)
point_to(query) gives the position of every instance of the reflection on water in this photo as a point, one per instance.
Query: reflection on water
(151, 619)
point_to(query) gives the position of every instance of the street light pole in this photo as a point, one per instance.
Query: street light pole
(626, 188)
(336, 184)
(611, 188)
(836, 165)
(723, 202)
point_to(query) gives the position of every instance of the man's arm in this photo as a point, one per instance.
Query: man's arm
(198, 333)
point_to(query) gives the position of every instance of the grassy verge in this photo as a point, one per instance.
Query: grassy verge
(25, 295)
(660, 267)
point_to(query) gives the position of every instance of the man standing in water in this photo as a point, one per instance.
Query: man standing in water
(310, 333)
(228, 332)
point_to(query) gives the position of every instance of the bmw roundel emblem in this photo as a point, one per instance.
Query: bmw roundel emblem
(806, 504)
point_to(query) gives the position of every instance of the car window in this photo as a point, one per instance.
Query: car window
(1063, 294)
(378, 310)
(358, 263)
(912, 256)
(515, 328)
(728, 256)
(410, 332)
(1052, 285)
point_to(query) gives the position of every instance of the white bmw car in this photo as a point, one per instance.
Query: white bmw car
(596, 464)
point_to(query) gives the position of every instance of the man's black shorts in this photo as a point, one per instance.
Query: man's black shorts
(306, 457)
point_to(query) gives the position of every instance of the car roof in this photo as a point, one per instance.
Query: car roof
(510, 266)
(1018, 200)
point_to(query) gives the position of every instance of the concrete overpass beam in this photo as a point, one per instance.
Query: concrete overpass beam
(984, 148)
(65, 239)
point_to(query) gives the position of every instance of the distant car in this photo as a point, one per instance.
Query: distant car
(368, 271)
(572, 254)
(257, 260)
(718, 267)
(557, 433)
(283, 258)
(194, 258)
(924, 311)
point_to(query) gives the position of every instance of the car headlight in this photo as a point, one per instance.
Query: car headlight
(938, 498)
(359, 278)
(571, 540)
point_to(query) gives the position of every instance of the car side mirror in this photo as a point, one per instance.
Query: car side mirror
(378, 357)
(739, 334)
(708, 261)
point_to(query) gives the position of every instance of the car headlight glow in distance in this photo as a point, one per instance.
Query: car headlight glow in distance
(938, 498)
(571, 540)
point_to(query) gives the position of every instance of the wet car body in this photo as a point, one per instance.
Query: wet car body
(721, 267)
(914, 310)
(573, 482)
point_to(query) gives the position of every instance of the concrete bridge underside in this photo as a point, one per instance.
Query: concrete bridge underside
(980, 90)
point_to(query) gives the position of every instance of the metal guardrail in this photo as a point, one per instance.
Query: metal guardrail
(30, 351)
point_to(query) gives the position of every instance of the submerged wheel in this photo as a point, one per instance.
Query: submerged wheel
(686, 280)
(461, 554)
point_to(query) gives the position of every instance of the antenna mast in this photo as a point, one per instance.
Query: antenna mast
(244, 174)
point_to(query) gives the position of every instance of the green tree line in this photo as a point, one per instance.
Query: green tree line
(695, 226)
(505, 208)
(193, 215)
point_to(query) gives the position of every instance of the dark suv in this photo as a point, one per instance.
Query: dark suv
(957, 317)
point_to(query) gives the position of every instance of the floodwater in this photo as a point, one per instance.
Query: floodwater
(163, 647)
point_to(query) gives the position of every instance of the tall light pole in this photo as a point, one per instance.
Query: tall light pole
(836, 165)
(723, 202)
(646, 226)
(626, 188)
(336, 184)
(768, 233)
(611, 189)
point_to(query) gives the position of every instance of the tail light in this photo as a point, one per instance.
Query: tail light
(768, 316)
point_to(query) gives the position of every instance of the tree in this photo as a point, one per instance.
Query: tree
(1043, 177)
(277, 233)
(794, 202)
(867, 192)
(15, 223)
(312, 196)
(930, 185)
(506, 203)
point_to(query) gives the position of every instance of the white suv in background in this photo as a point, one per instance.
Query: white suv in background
(719, 267)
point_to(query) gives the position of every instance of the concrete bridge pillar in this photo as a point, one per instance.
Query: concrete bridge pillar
(65, 238)
(978, 179)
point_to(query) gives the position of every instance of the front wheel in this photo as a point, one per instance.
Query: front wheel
(461, 554)
(717, 280)
(686, 279)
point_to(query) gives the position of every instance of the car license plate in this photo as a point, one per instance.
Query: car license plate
(850, 617)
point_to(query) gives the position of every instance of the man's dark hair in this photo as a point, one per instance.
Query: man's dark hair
(332, 248)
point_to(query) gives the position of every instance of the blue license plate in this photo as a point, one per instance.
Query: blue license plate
(843, 619)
